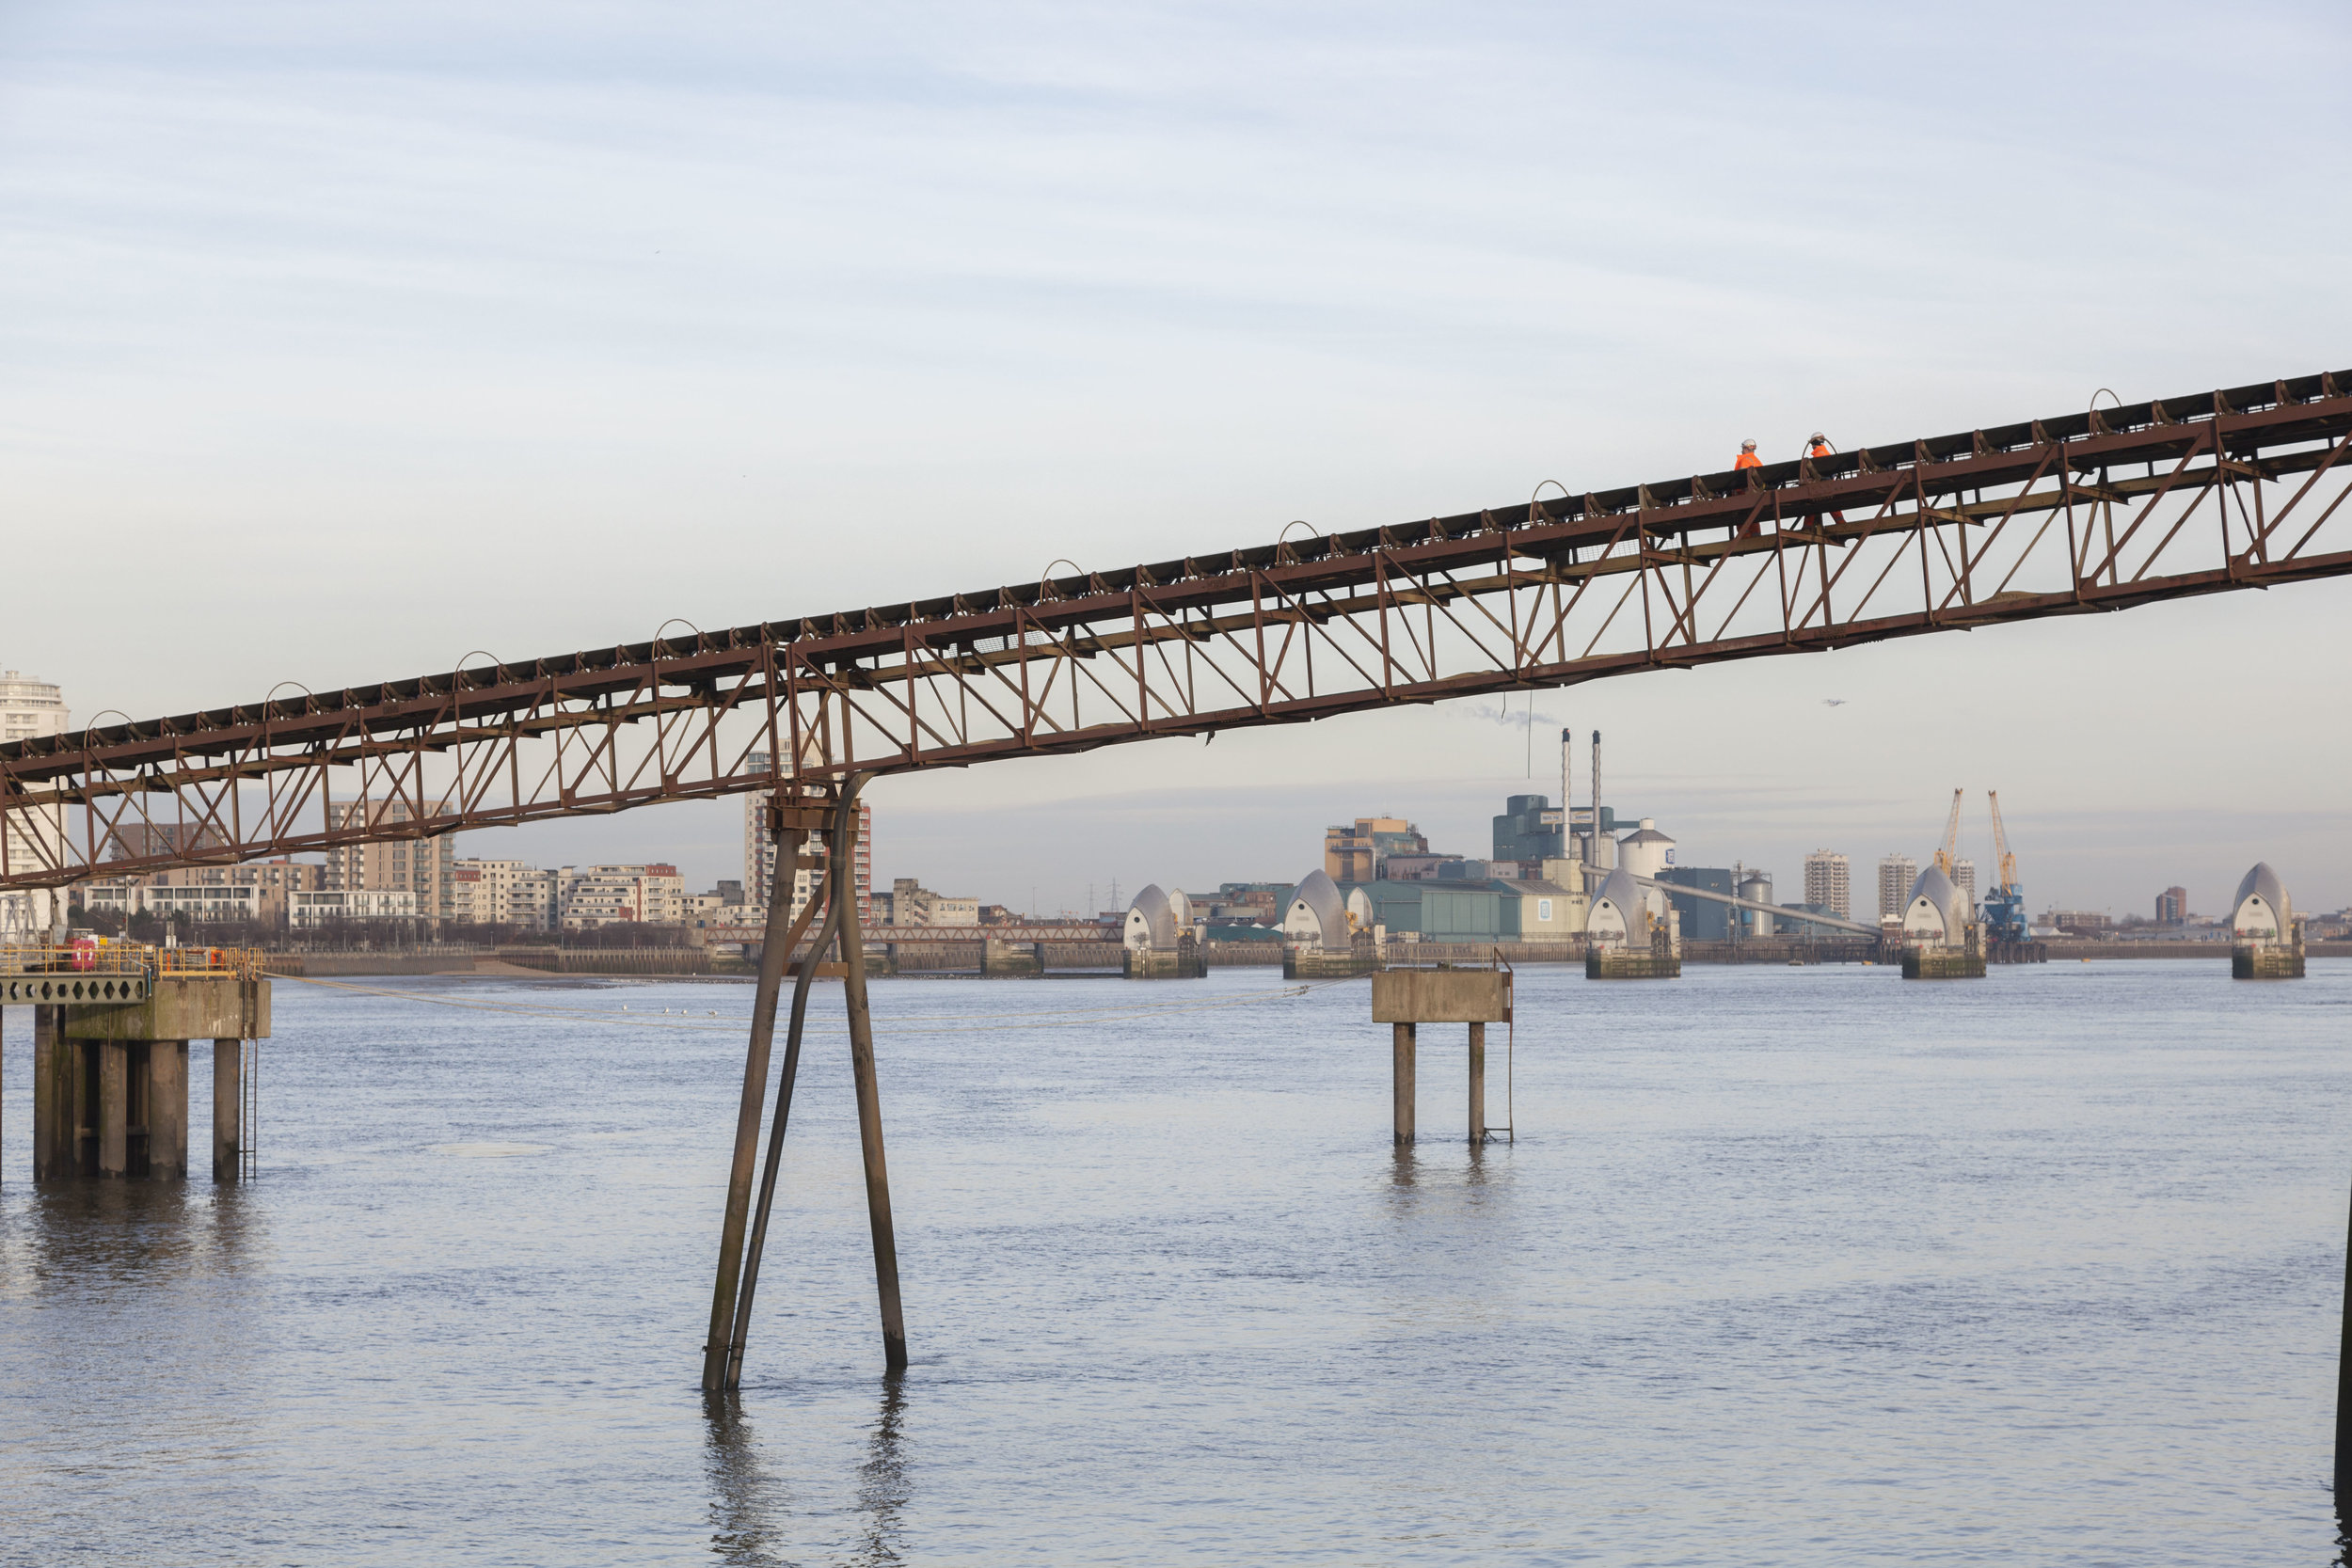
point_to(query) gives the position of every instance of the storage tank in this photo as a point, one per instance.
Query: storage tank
(1756, 888)
(1646, 851)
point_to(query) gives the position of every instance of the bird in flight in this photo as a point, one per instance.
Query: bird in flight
(1833, 701)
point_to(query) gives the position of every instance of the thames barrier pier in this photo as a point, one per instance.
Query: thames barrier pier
(110, 1072)
(2265, 938)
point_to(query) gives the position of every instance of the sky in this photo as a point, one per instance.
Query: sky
(340, 341)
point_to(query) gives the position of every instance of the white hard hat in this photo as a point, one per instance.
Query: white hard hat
(1748, 444)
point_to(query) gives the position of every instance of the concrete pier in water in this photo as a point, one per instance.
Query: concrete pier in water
(1407, 998)
(110, 1081)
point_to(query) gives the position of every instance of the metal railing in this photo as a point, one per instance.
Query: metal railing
(106, 955)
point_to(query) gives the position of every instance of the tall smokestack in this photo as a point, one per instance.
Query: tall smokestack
(1594, 841)
(1567, 829)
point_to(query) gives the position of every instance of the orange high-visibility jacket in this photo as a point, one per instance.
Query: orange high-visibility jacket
(1748, 460)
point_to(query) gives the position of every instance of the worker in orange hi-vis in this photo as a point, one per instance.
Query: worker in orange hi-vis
(1816, 448)
(1747, 459)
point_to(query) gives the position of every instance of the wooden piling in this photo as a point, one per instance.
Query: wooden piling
(787, 1076)
(774, 948)
(1401, 1082)
(2344, 1392)
(228, 1110)
(869, 1129)
(1478, 1083)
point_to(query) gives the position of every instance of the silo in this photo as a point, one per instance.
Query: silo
(1647, 852)
(1756, 888)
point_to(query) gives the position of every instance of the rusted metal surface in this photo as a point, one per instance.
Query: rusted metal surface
(2079, 513)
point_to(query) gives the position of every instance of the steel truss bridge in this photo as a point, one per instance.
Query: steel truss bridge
(2102, 510)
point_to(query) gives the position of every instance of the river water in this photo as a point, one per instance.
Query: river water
(1795, 1266)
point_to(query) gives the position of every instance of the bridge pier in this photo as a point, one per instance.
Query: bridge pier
(110, 1082)
(1406, 998)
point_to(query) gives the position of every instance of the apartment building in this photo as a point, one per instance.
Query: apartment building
(1895, 875)
(759, 856)
(257, 892)
(29, 708)
(503, 892)
(589, 895)
(1829, 883)
(424, 867)
(333, 906)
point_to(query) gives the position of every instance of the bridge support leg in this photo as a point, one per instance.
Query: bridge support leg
(2344, 1395)
(869, 1128)
(228, 1110)
(774, 949)
(1477, 1083)
(1401, 1082)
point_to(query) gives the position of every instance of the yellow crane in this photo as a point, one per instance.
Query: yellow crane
(1945, 857)
(2004, 906)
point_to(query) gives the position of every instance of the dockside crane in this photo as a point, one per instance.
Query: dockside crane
(2004, 906)
(1944, 857)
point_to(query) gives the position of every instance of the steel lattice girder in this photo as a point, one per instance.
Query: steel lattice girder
(1478, 602)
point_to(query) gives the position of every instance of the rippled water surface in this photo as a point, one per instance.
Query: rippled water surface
(1787, 1266)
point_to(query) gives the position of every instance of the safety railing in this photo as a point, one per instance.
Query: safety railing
(107, 955)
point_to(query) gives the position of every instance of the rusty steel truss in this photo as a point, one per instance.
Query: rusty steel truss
(2088, 512)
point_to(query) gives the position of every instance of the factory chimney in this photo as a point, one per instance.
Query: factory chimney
(1592, 840)
(1567, 816)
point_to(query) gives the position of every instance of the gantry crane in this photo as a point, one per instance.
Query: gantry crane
(2004, 906)
(1944, 857)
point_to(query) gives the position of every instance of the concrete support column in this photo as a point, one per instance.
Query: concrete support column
(1478, 1083)
(228, 1109)
(168, 1109)
(56, 1098)
(113, 1107)
(1401, 1082)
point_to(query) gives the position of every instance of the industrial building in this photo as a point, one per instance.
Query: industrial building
(1357, 852)
(1529, 830)
(1703, 919)
(909, 903)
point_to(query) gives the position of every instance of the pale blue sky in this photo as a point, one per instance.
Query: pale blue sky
(342, 341)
